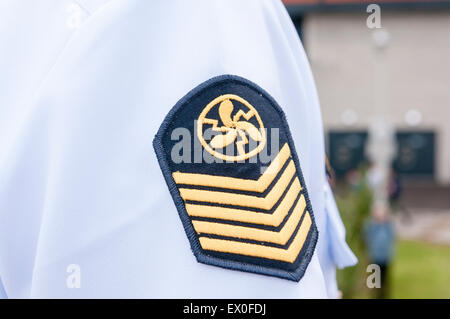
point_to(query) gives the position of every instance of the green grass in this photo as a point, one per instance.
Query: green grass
(420, 270)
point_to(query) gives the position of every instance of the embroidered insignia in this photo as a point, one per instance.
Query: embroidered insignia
(232, 128)
(228, 158)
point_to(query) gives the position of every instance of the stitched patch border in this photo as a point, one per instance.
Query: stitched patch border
(307, 250)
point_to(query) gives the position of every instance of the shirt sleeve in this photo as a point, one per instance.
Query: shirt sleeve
(3, 294)
(99, 198)
(340, 251)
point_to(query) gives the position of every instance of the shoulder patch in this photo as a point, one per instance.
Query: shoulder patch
(229, 161)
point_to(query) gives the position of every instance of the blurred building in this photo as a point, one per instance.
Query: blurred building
(415, 76)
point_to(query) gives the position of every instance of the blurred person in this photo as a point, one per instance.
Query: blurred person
(83, 192)
(354, 179)
(395, 197)
(395, 189)
(379, 238)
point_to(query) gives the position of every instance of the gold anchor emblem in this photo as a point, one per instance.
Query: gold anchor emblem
(235, 128)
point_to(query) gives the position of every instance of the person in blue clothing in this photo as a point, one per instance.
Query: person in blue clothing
(379, 237)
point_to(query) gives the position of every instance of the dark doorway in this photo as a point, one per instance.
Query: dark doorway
(415, 152)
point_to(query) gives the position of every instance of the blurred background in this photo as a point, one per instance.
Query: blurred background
(383, 78)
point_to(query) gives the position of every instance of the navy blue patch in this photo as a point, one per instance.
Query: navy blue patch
(229, 161)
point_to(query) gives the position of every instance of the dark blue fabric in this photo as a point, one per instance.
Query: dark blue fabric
(184, 114)
(379, 240)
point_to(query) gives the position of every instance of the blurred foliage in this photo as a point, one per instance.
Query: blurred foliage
(354, 200)
(421, 270)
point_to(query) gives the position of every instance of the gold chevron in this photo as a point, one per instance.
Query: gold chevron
(281, 237)
(266, 202)
(259, 185)
(246, 216)
(255, 250)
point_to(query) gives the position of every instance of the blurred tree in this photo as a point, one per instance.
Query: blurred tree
(354, 199)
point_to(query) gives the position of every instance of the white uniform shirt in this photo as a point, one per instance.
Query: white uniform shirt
(80, 183)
